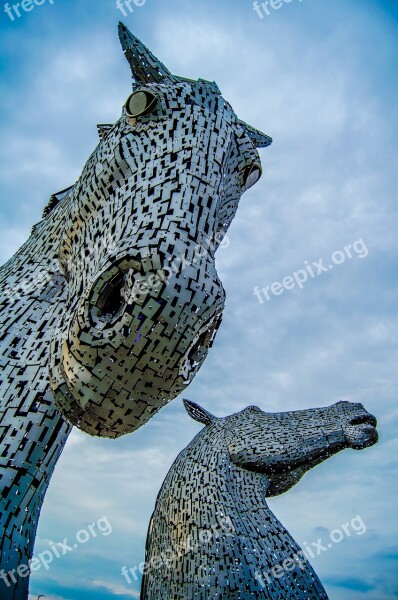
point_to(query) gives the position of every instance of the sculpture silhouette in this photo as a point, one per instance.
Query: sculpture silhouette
(109, 309)
(212, 535)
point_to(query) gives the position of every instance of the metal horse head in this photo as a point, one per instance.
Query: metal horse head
(212, 534)
(152, 205)
(284, 446)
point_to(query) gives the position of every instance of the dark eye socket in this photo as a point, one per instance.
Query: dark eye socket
(252, 175)
(140, 103)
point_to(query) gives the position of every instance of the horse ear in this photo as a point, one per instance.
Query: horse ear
(146, 68)
(198, 413)
(259, 139)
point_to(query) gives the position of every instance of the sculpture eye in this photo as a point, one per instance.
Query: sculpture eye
(252, 175)
(139, 103)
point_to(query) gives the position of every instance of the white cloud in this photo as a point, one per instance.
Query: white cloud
(116, 590)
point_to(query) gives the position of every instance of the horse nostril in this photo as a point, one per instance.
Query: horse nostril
(364, 420)
(110, 301)
(196, 352)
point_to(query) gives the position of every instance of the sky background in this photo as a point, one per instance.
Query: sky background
(321, 79)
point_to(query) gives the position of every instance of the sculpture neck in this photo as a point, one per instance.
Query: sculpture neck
(220, 513)
(33, 434)
(19, 276)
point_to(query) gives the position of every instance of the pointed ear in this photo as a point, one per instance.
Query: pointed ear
(198, 413)
(146, 68)
(259, 139)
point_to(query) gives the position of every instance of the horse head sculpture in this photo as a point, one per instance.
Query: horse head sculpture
(163, 185)
(212, 534)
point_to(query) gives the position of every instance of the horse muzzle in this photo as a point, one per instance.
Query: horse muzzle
(135, 341)
(361, 431)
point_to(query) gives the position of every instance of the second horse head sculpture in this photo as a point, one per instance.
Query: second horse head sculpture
(212, 535)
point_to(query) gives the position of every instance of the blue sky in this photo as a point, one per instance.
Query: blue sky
(321, 79)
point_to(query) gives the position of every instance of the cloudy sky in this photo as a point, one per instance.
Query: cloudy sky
(321, 79)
